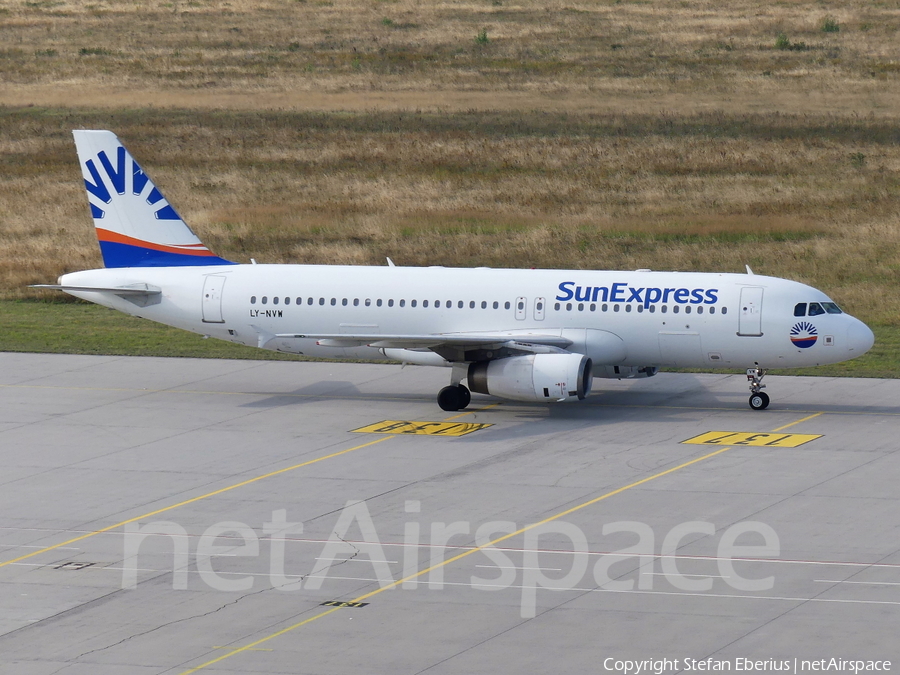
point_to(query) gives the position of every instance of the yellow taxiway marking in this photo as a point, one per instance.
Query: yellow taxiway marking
(802, 419)
(772, 440)
(422, 428)
(192, 500)
(453, 559)
(475, 549)
(472, 412)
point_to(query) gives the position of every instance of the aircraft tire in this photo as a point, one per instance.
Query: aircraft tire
(449, 399)
(759, 401)
(465, 397)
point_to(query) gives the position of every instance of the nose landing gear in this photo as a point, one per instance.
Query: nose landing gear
(759, 400)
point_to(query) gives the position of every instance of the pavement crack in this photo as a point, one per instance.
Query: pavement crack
(170, 623)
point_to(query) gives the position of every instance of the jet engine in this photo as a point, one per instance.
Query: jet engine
(535, 377)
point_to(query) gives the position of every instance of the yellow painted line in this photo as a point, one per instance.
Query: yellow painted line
(771, 440)
(422, 428)
(252, 650)
(804, 419)
(472, 412)
(192, 500)
(470, 551)
(460, 556)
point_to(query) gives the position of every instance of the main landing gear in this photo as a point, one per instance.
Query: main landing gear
(759, 400)
(454, 397)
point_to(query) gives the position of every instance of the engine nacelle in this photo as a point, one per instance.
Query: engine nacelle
(535, 377)
(624, 372)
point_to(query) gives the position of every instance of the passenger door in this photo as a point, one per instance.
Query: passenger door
(750, 321)
(212, 298)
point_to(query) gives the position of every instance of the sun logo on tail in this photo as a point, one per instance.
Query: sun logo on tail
(140, 184)
(804, 334)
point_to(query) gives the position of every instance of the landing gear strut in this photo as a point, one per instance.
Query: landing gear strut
(759, 400)
(454, 397)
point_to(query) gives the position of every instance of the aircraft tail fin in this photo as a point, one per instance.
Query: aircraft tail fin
(136, 226)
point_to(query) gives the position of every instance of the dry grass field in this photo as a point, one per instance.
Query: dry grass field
(670, 135)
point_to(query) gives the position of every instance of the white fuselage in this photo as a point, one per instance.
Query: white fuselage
(675, 319)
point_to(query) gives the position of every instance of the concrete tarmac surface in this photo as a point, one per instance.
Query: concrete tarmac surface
(192, 515)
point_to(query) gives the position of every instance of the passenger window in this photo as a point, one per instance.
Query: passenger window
(521, 305)
(593, 307)
(287, 301)
(412, 303)
(506, 305)
(831, 308)
(640, 308)
(652, 309)
(615, 308)
(568, 306)
(712, 310)
(252, 299)
(699, 310)
(496, 305)
(275, 300)
(483, 304)
(556, 306)
(800, 309)
(333, 302)
(378, 302)
(664, 309)
(460, 304)
(391, 302)
(471, 304)
(321, 301)
(675, 309)
(627, 308)
(356, 302)
(344, 302)
(687, 310)
(724, 310)
(403, 303)
(369, 302)
(580, 306)
(605, 307)
(265, 300)
(309, 301)
(815, 309)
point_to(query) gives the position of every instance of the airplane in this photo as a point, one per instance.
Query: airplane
(518, 334)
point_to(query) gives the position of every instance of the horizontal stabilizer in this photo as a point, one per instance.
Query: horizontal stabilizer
(139, 294)
(133, 289)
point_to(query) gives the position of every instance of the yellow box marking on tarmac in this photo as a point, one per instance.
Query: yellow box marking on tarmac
(771, 440)
(423, 428)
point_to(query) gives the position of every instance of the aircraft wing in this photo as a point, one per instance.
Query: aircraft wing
(452, 346)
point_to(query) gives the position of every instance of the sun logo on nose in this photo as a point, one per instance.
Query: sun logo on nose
(804, 334)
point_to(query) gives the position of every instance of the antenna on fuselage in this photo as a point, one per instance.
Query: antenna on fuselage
(390, 263)
(749, 271)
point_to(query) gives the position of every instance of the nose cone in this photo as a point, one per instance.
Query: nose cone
(859, 338)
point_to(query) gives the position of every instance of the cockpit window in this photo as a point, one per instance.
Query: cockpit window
(800, 309)
(831, 308)
(815, 309)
